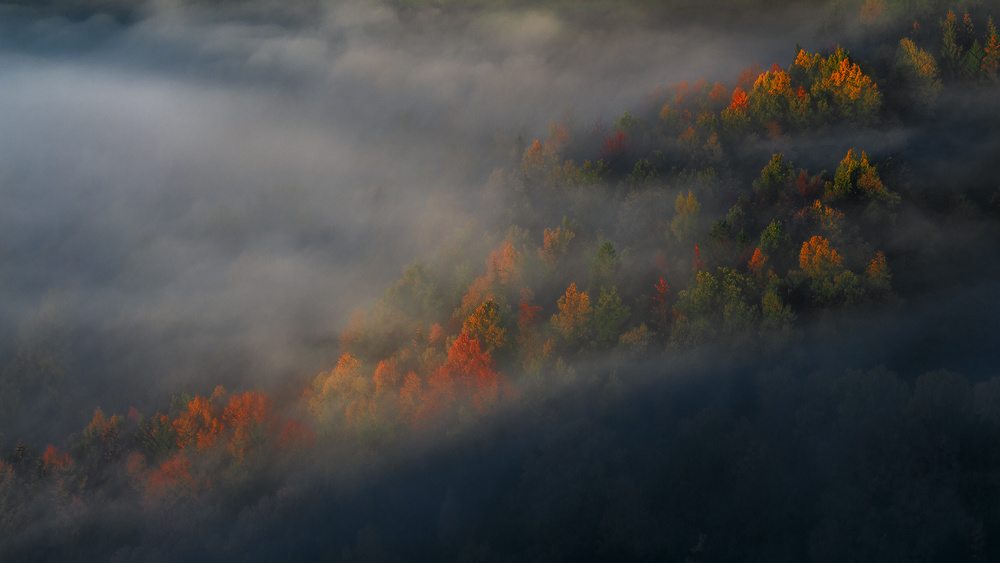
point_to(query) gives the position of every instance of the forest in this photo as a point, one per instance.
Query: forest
(475, 281)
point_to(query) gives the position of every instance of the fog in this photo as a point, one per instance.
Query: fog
(213, 194)
(203, 193)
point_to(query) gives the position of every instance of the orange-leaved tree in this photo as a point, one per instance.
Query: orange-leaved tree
(757, 262)
(103, 434)
(818, 259)
(505, 265)
(386, 377)
(555, 243)
(991, 60)
(332, 390)
(201, 424)
(573, 319)
(857, 180)
(467, 371)
(486, 324)
(661, 310)
(250, 418)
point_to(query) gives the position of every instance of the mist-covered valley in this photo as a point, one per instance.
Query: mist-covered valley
(470, 281)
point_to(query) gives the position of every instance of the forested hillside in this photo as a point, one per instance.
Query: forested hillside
(745, 317)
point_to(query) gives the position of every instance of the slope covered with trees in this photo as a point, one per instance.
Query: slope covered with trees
(745, 219)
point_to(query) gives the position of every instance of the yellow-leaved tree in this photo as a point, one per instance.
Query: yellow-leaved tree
(573, 319)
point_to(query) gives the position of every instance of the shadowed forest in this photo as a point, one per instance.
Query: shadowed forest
(499, 281)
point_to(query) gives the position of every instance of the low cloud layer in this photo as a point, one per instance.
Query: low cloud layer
(215, 194)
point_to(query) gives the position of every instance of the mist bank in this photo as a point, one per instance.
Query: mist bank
(211, 195)
(195, 196)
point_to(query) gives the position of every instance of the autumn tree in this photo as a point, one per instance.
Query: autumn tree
(331, 390)
(504, 272)
(538, 160)
(541, 160)
(818, 260)
(556, 241)
(172, 480)
(878, 275)
(829, 282)
(734, 118)
(468, 369)
(668, 116)
(481, 289)
(966, 31)
(824, 217)
(55, 461)
(248, 416)
(698, 264)
(486, 325)
(951, 50)
(528, 314)
(636, 339)
(833, 87)
(920, 72)
(757, 263)
(844, 90)
(103, 433)
(615, 147)
(711, 151)
(559, 137)
(573, 319)
(689, 141)
(686, 220)
(991, 52)
(771, 96)
(857, 180)
(505, 265)
(386, 377)
(660, 311)
(201, 423)
(719, 96)
(807, 187)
